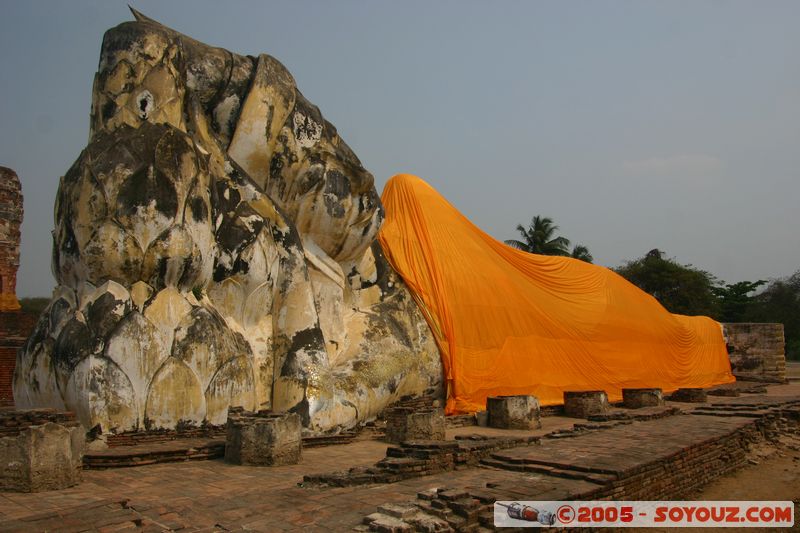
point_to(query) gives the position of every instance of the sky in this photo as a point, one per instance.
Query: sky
(632, 124)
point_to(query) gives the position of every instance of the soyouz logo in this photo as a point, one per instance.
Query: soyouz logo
(643, 514)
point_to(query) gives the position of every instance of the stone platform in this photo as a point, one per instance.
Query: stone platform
(193, 449)
(183, 449)
(214, 496)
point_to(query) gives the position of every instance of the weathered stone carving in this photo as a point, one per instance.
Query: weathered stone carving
(214, 247)
(10, 222)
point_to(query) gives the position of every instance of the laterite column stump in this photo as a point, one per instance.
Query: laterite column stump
(263, 438)
(513, 412)
(689, 396)
(40, 449)
(406, 423)
(637, 398)
(582, 404)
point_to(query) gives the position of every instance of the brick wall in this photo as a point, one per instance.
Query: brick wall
(15, 327)
(756, 351)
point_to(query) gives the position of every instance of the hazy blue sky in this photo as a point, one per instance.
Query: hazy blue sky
(633, 124)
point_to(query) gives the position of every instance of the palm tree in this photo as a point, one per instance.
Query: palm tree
(581, 252)
(539, 238)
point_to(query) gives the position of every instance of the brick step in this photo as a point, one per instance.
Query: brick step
(645, 413)
(521, 460)
(744, 414)
(568, 473)
(162, 452)
(345, 437)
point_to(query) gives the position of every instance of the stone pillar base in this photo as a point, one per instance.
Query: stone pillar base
(263, 438)
(513, 412)
(689, 396)
(405, 423)
(637, 398)
(40, 449)
(582, 404)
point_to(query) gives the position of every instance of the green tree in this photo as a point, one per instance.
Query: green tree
(736, 299)
(679, 288)
(780, 302)
(540, 238)
(581, 252)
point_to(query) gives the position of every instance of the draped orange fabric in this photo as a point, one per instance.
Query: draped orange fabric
(509, 322)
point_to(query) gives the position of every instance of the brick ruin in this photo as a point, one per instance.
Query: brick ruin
(10, 223)
(15, 325)
(665, 453)
(757, 351)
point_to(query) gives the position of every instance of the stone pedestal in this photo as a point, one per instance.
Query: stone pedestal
(689, 396)
(582, 404)
(513, 412)
(40, 449)
(636, 398)
(263, 438)
(403, 423)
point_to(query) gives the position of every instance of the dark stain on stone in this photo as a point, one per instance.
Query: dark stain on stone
(275, 166)
(102, 315)
(191, 272)
(73, 344)
(108, 110)
(234, 235)
(57, 313)
(228, 197)
(310, 180)
(240, 266)
(302, 409)
(309, 340)
(38, 336)
(199, 209)
(337, 184)
(208, 328)
(384, 275)
(125, 36)
(143, 187)
(392, 384)
(69, 244)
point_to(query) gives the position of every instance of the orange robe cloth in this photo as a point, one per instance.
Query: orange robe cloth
(509, 322)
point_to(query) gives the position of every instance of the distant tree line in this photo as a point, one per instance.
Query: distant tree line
(685, 289)
(688, 290)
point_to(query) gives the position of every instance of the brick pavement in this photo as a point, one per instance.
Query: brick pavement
(215, 496)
